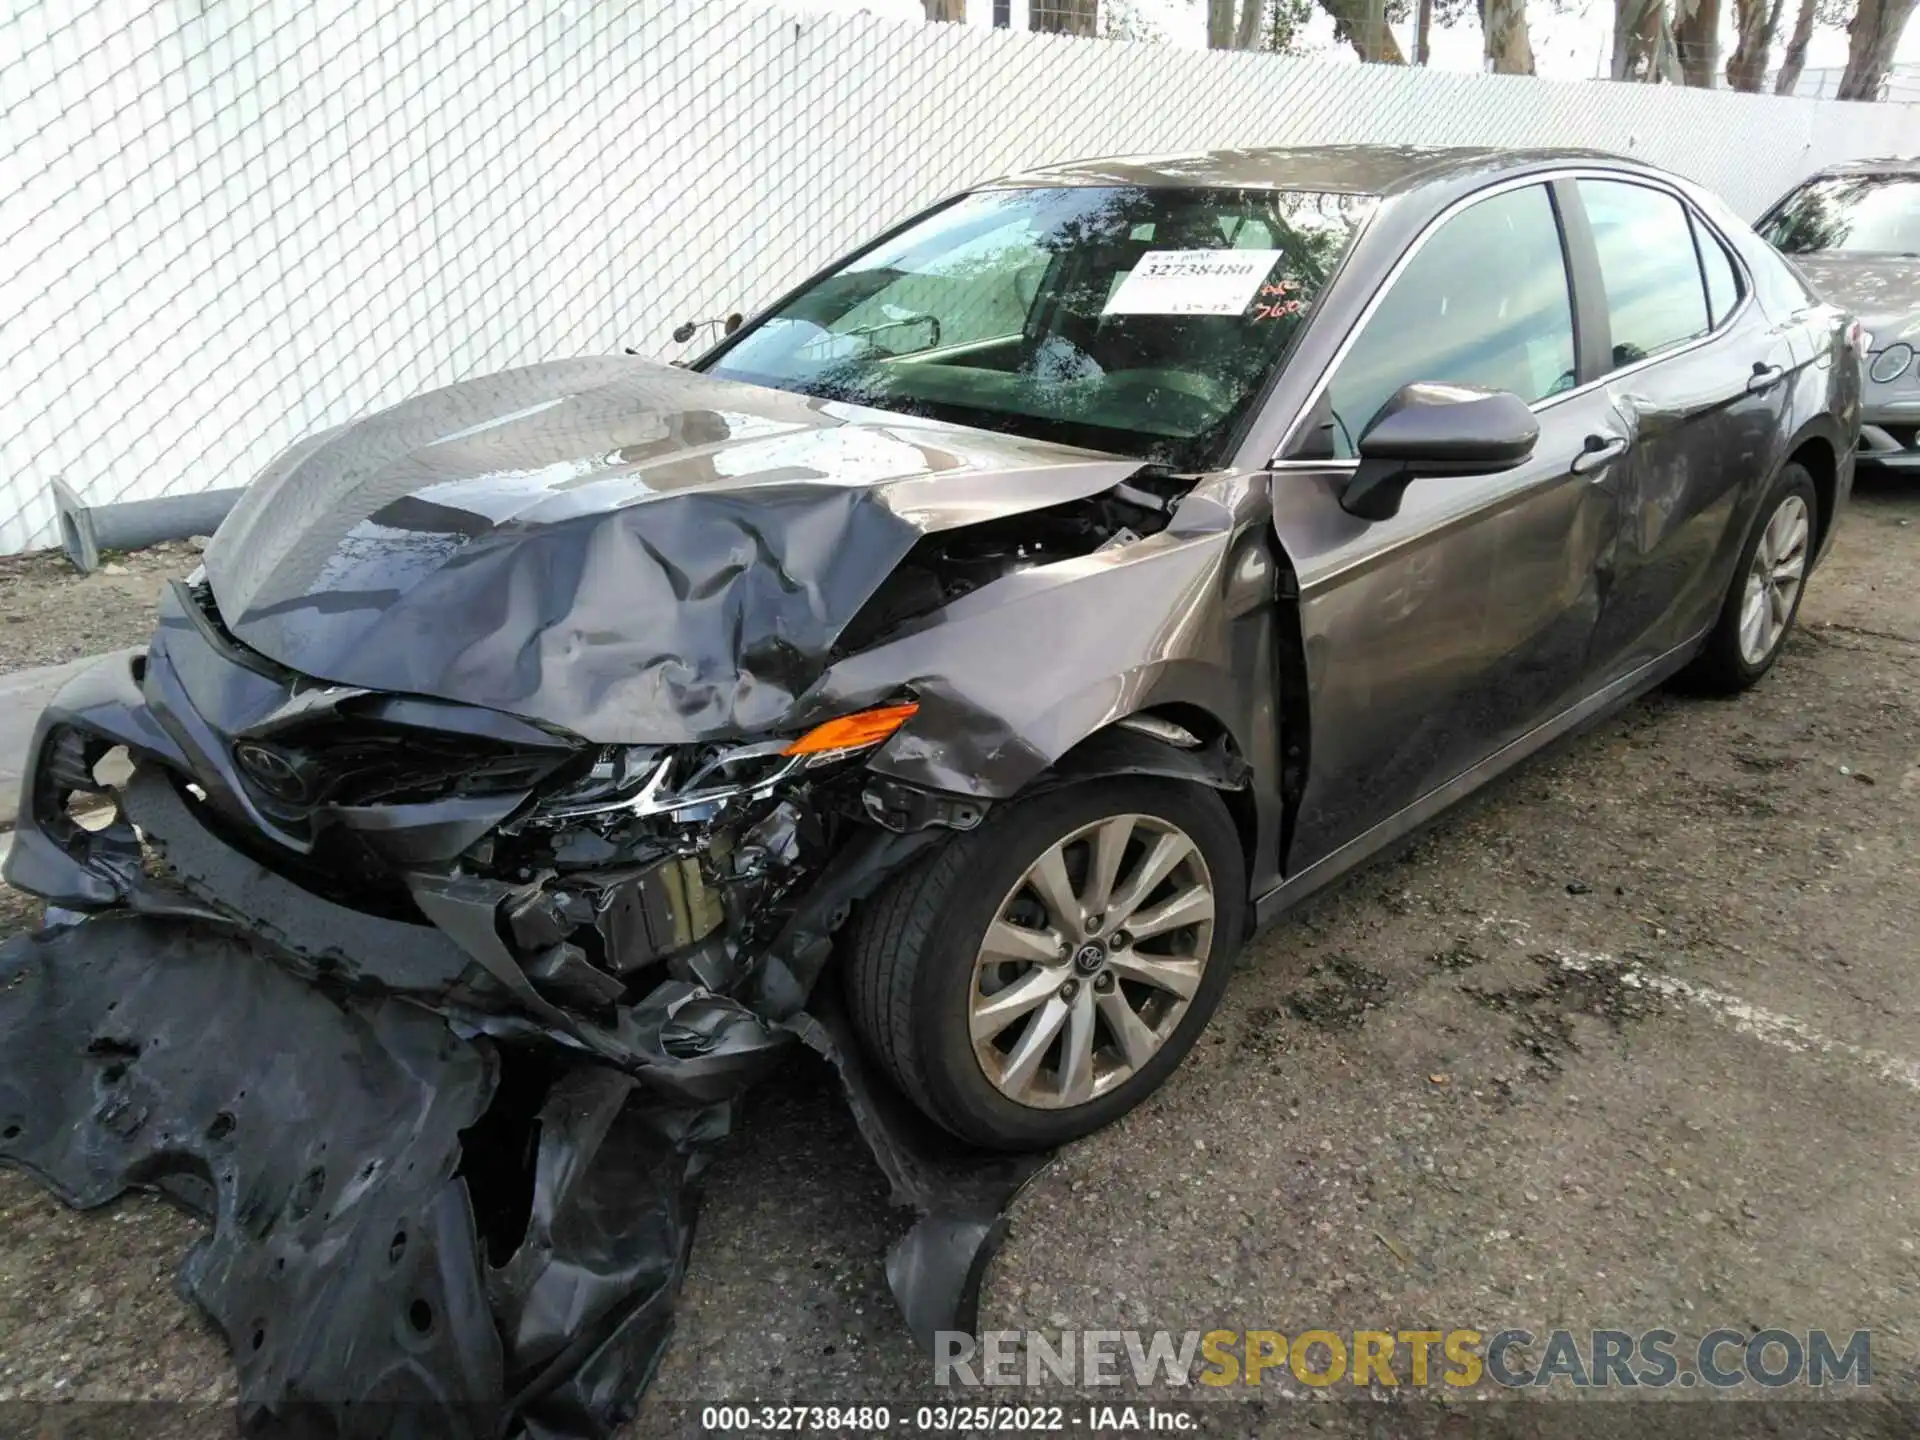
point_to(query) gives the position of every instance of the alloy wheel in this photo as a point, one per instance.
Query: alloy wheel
(1091, 960)
(1774, 579)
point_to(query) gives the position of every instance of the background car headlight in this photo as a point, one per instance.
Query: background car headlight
(1890, 363)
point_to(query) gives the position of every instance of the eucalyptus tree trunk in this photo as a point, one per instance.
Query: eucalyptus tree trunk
(1872, 36)
(1795, 60)
(1505, 43)
(1755, 24)
(1363, 25)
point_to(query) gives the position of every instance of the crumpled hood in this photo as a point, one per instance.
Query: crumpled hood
(1883, 291)
(628, 550)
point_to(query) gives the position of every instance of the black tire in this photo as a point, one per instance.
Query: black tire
(1721, 668)
(909, 971)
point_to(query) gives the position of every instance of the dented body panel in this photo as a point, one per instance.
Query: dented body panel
(621, 549)
(503, 710)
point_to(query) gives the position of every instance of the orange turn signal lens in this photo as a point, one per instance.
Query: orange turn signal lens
(853, 732)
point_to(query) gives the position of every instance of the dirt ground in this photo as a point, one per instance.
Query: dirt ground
(1631, 1039)
(49, 612)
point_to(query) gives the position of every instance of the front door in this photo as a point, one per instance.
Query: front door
(1437, 636)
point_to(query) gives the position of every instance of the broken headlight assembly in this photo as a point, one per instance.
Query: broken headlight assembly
(687, 853)
(692, 783)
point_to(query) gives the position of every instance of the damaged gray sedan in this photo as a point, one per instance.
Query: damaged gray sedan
(990, 633)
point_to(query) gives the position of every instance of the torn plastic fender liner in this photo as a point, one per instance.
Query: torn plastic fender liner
(1120, 751)
(320, 1137)
(584, 1305)
(709, 1048)
(358, 1179)
(323, 1138)
(795, 957)
(962, 1194)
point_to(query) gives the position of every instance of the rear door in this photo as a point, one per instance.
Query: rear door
(1697, 383)
(1437, 636)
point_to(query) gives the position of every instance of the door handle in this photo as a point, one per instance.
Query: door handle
(1764, 375)
(1599, 449)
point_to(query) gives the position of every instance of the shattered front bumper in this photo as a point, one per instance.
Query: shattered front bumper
(390, 889)
(1891, 440)
(447, 1124)
(1890, 421)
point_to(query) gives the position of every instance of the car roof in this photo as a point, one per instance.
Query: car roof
(1339, 169)
(1883, 165)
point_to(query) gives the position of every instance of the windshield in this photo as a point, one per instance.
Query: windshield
(1869, 214)
(1138, 320)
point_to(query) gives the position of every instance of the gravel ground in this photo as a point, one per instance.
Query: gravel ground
(1441, 1094)
(49, 612)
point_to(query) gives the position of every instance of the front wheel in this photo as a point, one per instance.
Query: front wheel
(1764, 599)
(1038, 977)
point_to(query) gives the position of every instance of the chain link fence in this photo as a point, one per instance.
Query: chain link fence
(225, 224)
(1901, 85)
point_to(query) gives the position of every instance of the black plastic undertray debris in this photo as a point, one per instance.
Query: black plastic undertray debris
(414, 1232)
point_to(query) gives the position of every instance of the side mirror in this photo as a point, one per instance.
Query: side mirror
(1436, 429)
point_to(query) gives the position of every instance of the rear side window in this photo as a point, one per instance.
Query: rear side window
(1483, 302)
(1723, 281)
(1656, 297)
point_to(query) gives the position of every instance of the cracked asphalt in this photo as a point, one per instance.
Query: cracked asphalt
(1631, 1039)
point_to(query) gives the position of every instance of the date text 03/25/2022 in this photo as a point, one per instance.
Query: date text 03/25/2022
(948, 1419)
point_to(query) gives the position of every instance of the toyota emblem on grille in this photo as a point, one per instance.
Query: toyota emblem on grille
(271, 770)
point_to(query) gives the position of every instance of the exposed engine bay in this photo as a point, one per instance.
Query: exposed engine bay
(561, 955)
(944, 566)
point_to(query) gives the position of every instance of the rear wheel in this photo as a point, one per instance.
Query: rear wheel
(1764, 599)
(1038, 977)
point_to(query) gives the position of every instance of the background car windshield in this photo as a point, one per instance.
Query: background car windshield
(1140, 320)
(1871, 214)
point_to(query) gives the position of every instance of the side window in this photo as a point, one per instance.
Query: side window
(1723, 282)
(1483, 302)
(1656, 298)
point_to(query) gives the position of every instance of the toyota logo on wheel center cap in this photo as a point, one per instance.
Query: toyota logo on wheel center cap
(1089, 959)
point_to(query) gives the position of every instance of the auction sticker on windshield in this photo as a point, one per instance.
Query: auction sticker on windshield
(1191, 282)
